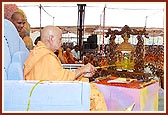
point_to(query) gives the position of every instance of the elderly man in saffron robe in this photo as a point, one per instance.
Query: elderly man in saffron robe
(43, 64)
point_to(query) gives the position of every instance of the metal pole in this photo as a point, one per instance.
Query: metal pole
(146, 21)
(40, 19)
(103, 28)
(80, 25)
(53, 20)
(100, 29)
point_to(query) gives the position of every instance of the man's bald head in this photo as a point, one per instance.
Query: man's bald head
(18, 19)
(50, 31)
(15, 14)
(51, 36)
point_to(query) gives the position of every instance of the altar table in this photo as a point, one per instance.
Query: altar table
(120, 98)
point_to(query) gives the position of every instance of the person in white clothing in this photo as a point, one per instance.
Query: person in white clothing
(76, 52)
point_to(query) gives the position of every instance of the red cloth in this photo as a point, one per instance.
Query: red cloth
(133, 84)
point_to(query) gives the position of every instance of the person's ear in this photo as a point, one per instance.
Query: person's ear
(50, 38)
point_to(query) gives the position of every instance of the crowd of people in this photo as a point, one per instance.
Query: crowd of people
(48, 53)
(70, 54)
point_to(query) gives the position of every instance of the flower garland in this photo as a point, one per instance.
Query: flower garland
(9, 9)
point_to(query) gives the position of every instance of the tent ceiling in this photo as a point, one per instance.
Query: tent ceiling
(96, 29)
(133, 14)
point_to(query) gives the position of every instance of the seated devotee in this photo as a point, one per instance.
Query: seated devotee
(69, 56)
(61, 56)
(99, 60)
(92, 59)
(76, 52)
(104, 61)
(85, 60)
(43, 64)
(88, 54)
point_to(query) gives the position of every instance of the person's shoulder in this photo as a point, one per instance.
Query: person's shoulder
(73, 50)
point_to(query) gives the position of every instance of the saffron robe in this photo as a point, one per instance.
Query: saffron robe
(43, 64)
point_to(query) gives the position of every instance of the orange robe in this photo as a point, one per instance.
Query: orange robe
(37, 68)
(28, 42)
(69, 58)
